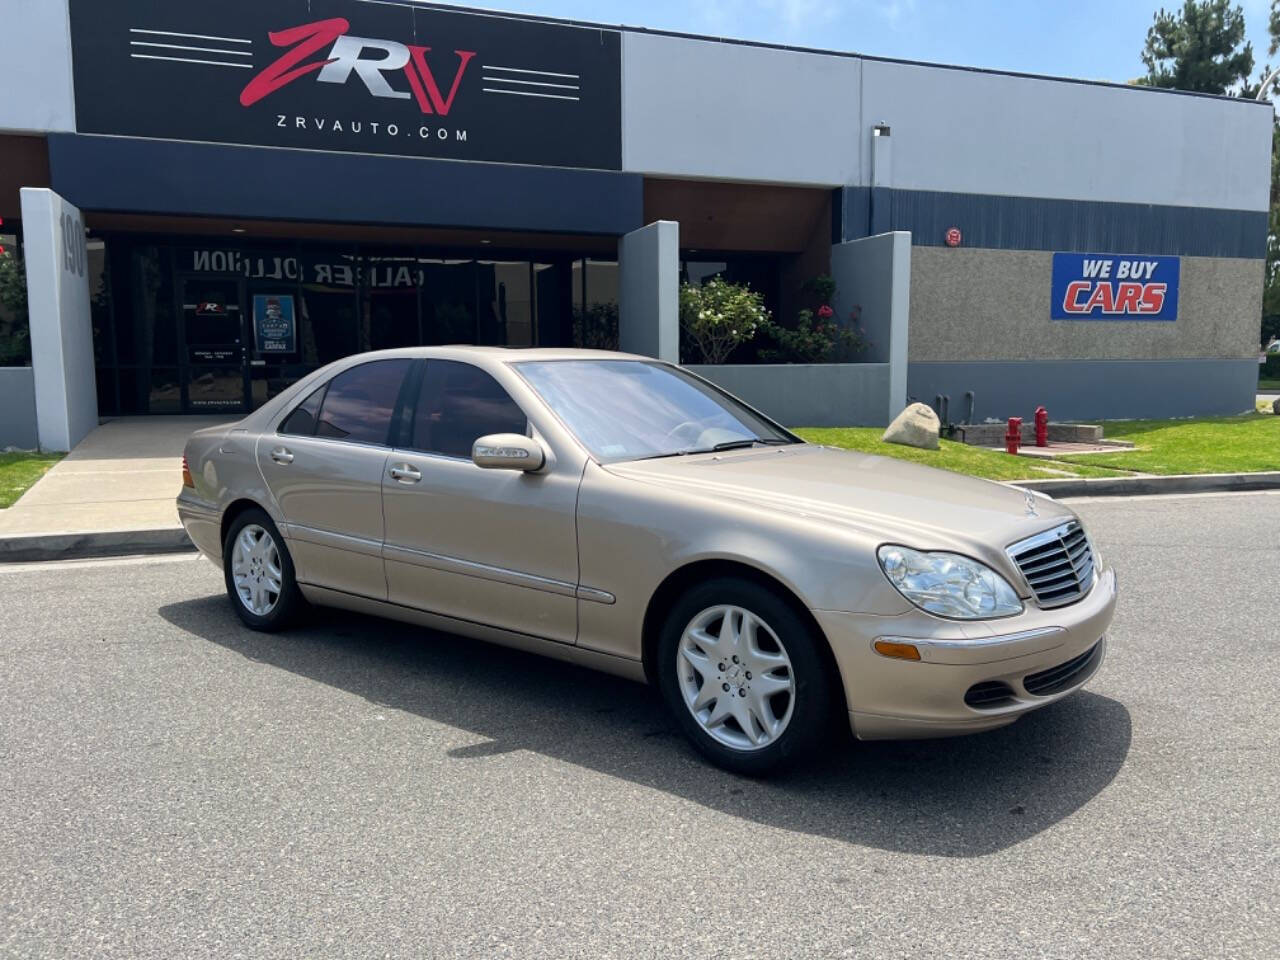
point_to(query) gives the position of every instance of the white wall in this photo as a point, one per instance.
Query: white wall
(35, 50)
(701, 108)
(969, 132)
(61, 327)
(705, 108)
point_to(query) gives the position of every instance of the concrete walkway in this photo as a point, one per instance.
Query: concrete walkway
(123, 477)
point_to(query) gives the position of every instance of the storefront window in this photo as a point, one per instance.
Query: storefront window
(389, 302)
(195, 326)
(150, 391)
(506, 304)
(147, 330)
(552, 295)
(448, 301)
(595, 320)
(327, 312)
(100, 302)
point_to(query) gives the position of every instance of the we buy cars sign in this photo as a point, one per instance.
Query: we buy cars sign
(1094, 286)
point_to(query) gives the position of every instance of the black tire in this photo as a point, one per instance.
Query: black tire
(289, 601)
(810, 670)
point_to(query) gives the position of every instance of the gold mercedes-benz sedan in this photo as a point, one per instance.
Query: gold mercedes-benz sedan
(624, 514)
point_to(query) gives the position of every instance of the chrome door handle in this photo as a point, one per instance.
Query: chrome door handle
(281, 455)
(405, 473)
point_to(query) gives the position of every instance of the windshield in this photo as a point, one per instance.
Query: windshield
(632, 409)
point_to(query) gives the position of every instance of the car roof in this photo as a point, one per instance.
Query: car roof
(507, 354)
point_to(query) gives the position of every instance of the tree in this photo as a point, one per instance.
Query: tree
(1271, 283)
(1199, 48)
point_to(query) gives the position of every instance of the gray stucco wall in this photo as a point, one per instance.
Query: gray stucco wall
(808, 395)
(1090, 389)
(972, 304)
(17, 408)
(649, 291)
(873, 280)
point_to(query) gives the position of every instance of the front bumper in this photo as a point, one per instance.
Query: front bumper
(890, 698)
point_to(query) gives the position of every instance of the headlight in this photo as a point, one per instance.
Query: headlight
(948, 584)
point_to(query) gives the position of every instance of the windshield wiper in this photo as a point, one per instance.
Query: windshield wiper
(749, 442)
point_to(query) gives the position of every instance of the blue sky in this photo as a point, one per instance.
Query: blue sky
(1090, 39)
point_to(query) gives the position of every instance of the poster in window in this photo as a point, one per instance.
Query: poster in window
(274, 328)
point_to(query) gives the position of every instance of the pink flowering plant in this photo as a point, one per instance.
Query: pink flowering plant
(816, 336)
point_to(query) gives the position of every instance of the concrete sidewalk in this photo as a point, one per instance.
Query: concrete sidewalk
(113, 493)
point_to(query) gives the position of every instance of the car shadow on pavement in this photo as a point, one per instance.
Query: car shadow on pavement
(961, 797)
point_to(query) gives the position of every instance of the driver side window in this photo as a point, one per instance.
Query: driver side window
(459, 403)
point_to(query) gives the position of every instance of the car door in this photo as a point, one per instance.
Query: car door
(324, 467)
(497, 547)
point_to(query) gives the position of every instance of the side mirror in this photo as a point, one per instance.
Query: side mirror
(508, 451)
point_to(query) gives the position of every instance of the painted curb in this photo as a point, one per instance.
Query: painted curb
(1149, 486)
(38, 548)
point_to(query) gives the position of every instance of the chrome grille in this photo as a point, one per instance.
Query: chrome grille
(1057, 564)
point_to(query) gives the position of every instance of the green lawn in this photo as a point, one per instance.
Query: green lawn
(18, 471)
(958, 457)
(1269, 384)
(1244, 444)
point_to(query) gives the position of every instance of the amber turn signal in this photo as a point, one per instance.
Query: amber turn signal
(899, 651)
(187, 480)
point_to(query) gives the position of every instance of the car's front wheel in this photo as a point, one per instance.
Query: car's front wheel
(744, 675)
(259, 572)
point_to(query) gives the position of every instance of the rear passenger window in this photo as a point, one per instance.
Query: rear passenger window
(457, 405)
(359, 402)
(302, 422)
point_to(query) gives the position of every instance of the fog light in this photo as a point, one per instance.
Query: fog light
(899, 651)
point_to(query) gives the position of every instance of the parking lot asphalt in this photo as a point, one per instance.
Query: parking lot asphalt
(172, 785)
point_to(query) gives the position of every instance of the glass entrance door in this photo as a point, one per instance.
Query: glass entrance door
(215, 376)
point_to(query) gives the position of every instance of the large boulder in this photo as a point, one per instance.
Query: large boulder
(916, 426)
(1275, 406)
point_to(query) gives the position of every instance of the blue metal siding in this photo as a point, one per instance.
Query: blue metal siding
(1028, 223)
(122, 174)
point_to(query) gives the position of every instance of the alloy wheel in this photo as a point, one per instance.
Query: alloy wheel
(735, 677)
(256, 570)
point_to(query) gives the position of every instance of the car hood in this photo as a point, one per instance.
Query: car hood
(886, 498)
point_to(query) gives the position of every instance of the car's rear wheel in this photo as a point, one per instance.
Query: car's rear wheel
(259, 572)
(744, 675)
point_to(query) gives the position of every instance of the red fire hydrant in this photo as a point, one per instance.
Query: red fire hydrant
(1042, 427)
(1013, 436)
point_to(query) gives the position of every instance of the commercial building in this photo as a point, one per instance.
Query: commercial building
(213, 199)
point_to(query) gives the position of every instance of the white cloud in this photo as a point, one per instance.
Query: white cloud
(796, 17)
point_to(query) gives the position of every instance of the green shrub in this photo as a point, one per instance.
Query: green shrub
(816, 335)
(718, 316)
(15, 339)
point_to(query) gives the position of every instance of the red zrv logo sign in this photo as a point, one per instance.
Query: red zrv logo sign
(371, 60)
(365, 76)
